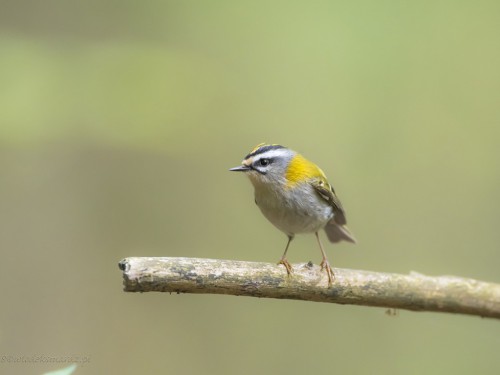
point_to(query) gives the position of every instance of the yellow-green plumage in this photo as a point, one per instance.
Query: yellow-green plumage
(300, 169)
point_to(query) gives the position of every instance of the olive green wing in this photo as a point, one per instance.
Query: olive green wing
(325, 191)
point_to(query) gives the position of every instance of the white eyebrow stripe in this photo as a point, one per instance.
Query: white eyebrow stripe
(271, 154)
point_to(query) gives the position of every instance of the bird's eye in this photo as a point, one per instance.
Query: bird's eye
(264, 162)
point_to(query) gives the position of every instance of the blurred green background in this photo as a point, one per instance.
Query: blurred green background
(120, 119)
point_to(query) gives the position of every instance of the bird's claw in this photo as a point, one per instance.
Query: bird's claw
(325, 265)
(288, 266)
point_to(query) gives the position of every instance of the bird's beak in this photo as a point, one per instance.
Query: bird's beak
(241, 168)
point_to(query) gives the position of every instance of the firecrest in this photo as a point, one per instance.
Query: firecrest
(295, 196)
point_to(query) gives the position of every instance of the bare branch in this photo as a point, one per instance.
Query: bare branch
(411, 292)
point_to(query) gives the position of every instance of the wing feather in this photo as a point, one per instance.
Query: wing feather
(326, 192)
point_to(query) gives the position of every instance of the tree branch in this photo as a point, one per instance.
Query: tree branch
(411, 292)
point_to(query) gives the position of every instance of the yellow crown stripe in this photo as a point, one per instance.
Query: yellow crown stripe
(257, 147)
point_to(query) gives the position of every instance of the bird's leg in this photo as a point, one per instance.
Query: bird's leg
(325, 264)
(283, 260)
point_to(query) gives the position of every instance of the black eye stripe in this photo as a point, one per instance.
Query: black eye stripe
(264, 149)
(256, 169)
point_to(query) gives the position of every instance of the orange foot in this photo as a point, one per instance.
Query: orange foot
(287, 265)
(325, 265)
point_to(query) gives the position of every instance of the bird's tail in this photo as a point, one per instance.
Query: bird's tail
(336, 232)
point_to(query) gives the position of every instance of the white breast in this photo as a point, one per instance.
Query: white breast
(297, 210)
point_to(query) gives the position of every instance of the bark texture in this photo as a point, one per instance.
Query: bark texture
(410, 292)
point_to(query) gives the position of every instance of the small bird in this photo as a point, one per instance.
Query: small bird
(295, 196)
